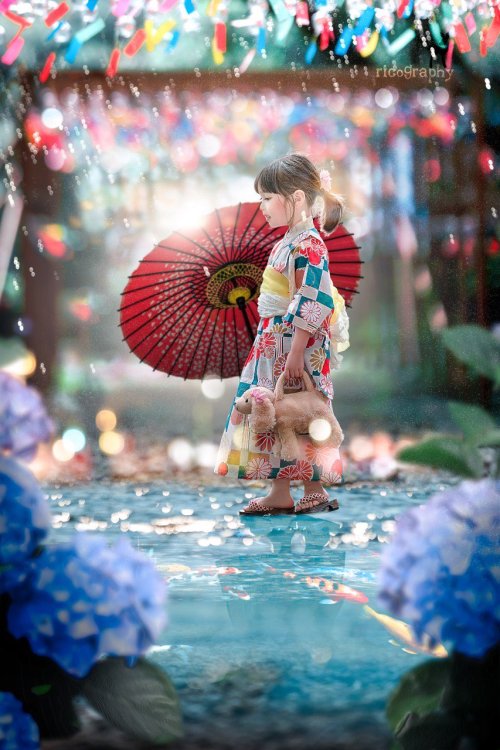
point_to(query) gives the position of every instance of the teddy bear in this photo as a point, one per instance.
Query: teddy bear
(288, 414)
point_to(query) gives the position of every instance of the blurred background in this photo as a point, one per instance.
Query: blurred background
(99, 165)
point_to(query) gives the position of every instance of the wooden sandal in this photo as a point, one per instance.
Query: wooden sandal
(255, 508)
(323, 504)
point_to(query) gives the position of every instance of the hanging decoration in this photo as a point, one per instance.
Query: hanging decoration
(144, 27)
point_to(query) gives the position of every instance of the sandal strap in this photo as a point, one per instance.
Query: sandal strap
(309, 499)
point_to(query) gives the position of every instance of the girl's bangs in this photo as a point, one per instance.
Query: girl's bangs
(266, 181)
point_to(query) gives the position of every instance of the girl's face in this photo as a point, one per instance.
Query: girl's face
(275, 209)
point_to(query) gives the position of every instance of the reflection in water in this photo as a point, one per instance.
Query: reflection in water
(273, 598)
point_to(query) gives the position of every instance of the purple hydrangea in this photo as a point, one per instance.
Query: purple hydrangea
(24, 423)
(18, 731)
(440, 572)
(86, 599)
(24, 521)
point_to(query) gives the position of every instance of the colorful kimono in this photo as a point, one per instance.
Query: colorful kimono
(301, 254)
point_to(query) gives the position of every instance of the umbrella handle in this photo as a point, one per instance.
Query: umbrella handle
(241, 302)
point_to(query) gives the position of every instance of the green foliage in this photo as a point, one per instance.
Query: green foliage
(460, 455)
(140, 700)
(477, 348)
(442, 704)
(419, 691)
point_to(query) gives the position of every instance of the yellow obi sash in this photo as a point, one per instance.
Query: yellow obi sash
(276, 284)
(273, 282)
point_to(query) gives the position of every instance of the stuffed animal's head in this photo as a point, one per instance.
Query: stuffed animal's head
(258, 403)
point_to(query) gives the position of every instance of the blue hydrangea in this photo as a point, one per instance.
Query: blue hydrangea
(86, 599)
(18, 731)
(24, 521)
(24, 423)
(440, 572)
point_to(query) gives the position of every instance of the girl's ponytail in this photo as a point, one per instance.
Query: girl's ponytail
(333, 208)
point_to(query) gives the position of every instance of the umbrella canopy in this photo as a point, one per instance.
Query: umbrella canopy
(190, 307)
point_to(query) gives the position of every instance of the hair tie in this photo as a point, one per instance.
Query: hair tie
(325, 180)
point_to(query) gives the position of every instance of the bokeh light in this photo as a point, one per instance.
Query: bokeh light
(74, 439)
(213, 389)
(320, 430)
(61, 452)
(112, 443)
(105, 420)
(181, 452)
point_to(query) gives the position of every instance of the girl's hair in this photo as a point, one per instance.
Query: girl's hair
(296, 172)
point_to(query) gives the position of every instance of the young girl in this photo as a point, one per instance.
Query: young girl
(296, 303)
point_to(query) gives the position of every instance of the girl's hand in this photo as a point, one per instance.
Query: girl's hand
(294, 366)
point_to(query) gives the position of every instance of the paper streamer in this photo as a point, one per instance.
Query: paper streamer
(436, 34)
(302, 14)
(405, 8)
(370, 46)
(483, 50)
(172, 44)
(45, 72)
(5, 5)
(470, 23)
(189, 6)
(120, 8)
(403, 39)
(310, 52)
(280, 11)
(54, 31)
(91, 4)
(81, 37)
(213, 8)
(114, 59)
(449, 55)
(461, 38)
(18, 20)
(217, 55)
(155, 36)
(13, 50)
(245, 63)
(56, 14)
(493, 30)
(261, 40)
(344, 41)
(167, 4)
(135, 43)
(364, 21)
(220, 36)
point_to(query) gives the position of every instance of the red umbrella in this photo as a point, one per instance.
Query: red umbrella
(190, 307)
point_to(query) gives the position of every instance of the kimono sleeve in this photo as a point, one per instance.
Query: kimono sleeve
(313, 301)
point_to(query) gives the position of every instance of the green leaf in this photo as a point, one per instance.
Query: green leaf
(141, 700)
(476, 347)
(438, 730)
(419, 691)
(446, 453)
(490, 439)
(41, 689)
(474, 421)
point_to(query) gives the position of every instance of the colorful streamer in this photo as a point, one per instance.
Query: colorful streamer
(81, 37)
(13, 50)
(135, 43)
(114, 59)
(371, 45)
(45, 72)
(56, 14)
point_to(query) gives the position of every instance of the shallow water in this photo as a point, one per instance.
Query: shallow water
(264, 647)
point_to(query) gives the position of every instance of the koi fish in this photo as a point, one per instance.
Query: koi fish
(404, 633)
(336, 591)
